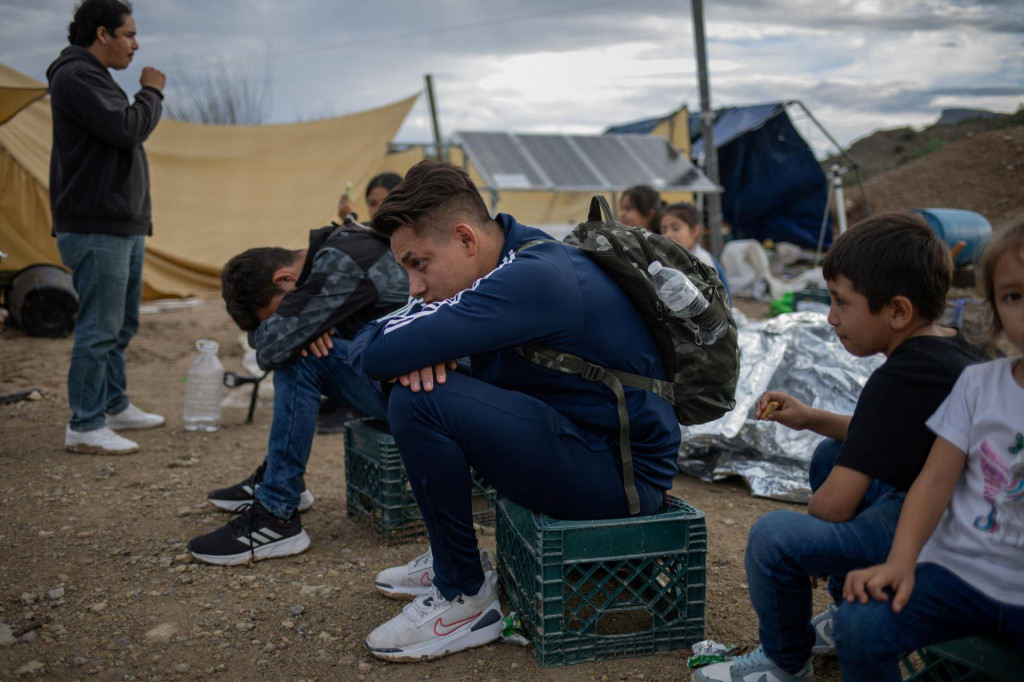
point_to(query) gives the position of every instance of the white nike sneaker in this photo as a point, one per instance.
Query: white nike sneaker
(416, 577)
(824, 643)
(431, 626)
(101, 441)
(132, 417)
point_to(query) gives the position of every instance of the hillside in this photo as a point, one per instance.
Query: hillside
(885, 150)
(981, 172)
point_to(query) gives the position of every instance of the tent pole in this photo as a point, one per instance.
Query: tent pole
(707, 117)
(837, 184)
(438, 146)
(842, 152)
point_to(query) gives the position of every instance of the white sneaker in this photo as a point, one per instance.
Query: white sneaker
(824, 643)
(416, 577)
(431, 626)
(101, 441)
(132, 417)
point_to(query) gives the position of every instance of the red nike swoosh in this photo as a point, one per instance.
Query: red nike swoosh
(425, 579)
(442, 629)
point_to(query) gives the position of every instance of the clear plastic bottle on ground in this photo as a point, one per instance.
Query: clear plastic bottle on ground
(681, 296)
(204, 389)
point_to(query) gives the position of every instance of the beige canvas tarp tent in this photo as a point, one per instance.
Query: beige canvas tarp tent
(216, 190)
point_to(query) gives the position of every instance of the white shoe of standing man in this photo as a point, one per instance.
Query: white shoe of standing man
(132, 417)
(431, 626)
(101, 441)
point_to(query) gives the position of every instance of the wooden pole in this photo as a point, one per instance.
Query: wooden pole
(438, 145)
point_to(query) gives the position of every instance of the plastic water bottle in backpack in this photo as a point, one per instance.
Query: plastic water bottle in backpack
(681, 296)
(203, 389)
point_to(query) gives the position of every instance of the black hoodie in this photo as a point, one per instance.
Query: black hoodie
(99, 176)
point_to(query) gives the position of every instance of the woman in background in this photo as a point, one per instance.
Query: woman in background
(641, 207)
(378, 188)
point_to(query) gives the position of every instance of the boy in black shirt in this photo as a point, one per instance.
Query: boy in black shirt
(888, 277)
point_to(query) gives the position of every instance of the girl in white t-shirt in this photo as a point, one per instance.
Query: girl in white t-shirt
(956, 567)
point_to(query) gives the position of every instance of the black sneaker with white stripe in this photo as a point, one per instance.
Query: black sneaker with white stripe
(233, 498)
(253, 535)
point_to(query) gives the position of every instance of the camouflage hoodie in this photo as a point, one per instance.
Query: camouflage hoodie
(348, 279)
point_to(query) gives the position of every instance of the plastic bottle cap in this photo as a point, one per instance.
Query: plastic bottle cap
(655, 267)
(207, 344)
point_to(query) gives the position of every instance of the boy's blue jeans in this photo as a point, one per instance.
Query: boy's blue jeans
(298, 387)
(528, 451)
(785, 549)
(869, 637)
(107, 274)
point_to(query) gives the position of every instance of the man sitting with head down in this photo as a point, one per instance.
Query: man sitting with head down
(543, 439)
(292, 303)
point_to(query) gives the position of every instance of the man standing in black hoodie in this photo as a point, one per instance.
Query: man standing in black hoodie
(99, 196)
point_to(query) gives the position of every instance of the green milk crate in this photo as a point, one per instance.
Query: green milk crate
(377, 488)
(595, 590)
(978, 659)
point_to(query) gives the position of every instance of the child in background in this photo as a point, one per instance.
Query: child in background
(681, 222)
(376, 190)
(967, 578)
(888, 277)
(641, 207)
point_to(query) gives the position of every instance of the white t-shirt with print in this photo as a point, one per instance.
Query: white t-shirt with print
(981, 535)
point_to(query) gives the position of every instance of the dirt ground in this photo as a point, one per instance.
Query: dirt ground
(982, 173)
(96, 582)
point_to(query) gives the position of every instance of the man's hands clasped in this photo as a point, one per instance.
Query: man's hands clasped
(426, 378)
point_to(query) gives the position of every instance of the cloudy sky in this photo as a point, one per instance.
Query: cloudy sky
(571, 65)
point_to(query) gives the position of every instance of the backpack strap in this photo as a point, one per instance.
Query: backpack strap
(567, 363)
(599, 206)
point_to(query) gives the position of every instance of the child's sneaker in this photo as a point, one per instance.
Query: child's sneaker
(824, 643)
(431, 626)
(234, 497)
(416, 577)
(254, 534)
(752, 666)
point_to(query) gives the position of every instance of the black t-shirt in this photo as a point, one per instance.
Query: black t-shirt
(888, 439)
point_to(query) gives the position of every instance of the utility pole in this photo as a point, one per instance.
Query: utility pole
(712, 200)
(438, 145)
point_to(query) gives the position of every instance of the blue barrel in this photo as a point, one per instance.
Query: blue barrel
(954, 225)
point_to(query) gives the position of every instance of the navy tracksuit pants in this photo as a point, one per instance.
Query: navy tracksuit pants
(530, 453)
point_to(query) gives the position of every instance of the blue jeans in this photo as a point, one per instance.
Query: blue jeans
(942, 607)
(297, 390)
(822, 462)
(107, 273)
(525, 449)
(785, 549)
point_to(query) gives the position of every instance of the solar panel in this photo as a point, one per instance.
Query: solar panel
(499, 160)
(560, 161)
(597, 163)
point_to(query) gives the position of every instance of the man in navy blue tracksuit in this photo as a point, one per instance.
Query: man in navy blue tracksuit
(544, 439)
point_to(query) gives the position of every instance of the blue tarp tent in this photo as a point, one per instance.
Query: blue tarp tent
(773, 186)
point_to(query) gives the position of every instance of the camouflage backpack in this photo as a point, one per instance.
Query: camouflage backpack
(702, 378)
